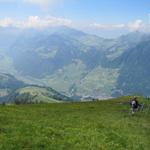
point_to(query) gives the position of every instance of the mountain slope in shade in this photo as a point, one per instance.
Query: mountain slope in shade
(52, 52)
(8, 84)
(135, 72)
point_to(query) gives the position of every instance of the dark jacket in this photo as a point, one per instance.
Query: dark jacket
(134, 103)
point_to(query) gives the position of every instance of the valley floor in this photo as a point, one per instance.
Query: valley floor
(105, 125)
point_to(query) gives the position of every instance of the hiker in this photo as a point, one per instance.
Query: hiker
(134, 105)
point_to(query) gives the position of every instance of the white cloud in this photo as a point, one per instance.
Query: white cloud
(50, 21)
(36, 22)
(135, 25)
(6, 22)
(131, 26)
(107, 26)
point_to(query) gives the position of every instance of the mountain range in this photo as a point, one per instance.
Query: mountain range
(75, 63)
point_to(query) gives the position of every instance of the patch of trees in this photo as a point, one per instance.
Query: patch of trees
(25, 98)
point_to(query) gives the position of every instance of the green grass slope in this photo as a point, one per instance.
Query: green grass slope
(105, 125)
(36, 94)
(14, 90)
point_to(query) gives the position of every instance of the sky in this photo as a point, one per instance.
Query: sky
(107, 18)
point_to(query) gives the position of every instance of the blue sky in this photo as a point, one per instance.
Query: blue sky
(110, 16)
(114, 11)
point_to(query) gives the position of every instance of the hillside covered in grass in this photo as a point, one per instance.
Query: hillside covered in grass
(104, 125)
(36, 94)
(13, 90)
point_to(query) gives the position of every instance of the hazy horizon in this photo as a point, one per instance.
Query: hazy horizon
(107, 19)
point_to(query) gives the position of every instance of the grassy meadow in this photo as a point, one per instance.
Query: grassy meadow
(103, 125)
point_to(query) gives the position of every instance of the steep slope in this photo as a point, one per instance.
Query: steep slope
(135, 74)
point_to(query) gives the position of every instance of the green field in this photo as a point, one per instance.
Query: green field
(105, 125)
